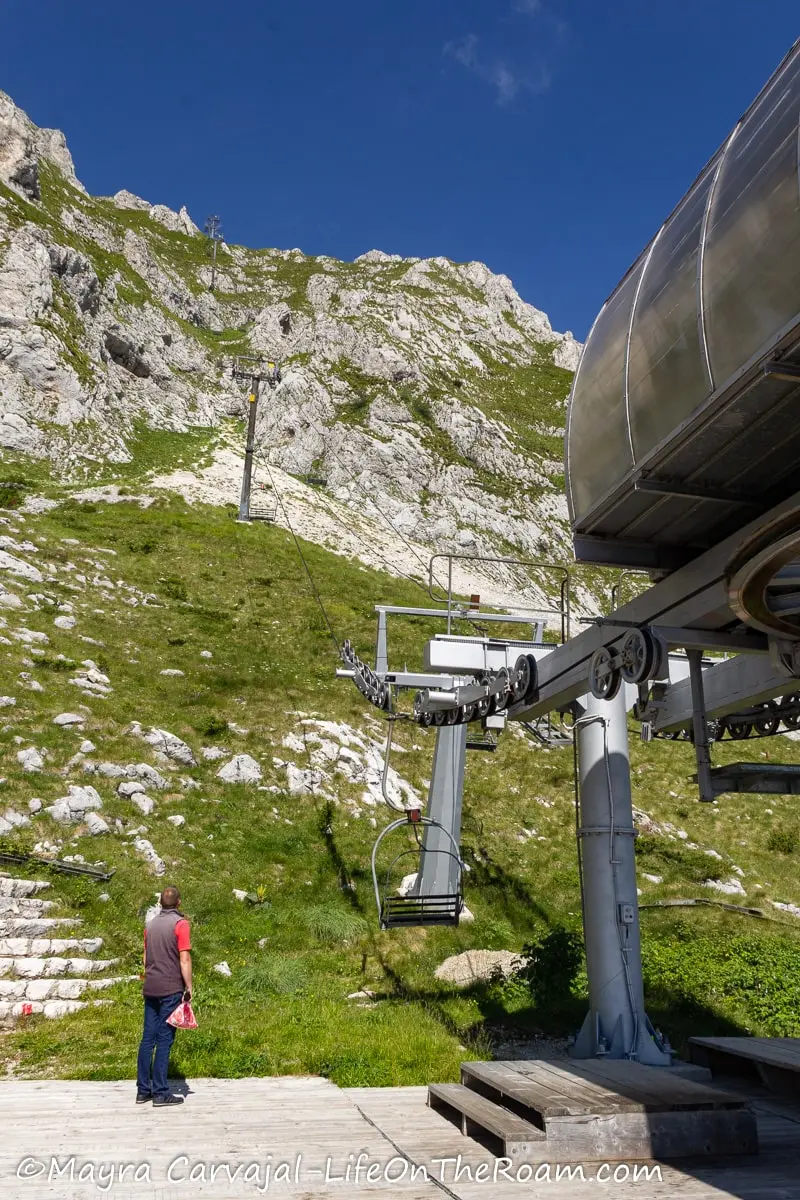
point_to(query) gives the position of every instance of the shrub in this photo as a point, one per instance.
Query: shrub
(211, 726)
(782, 841)
(550, 967)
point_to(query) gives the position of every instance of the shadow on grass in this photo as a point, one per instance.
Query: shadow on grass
(507, 891)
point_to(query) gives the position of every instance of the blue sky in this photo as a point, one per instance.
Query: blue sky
(547, 138)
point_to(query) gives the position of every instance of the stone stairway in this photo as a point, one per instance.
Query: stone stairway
(38, 975)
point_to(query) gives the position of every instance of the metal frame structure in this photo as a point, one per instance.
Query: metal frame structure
(681, 458)
(255, 370)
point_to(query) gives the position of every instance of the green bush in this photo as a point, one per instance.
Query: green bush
(782, 841)
(550, 967)
(211, 726)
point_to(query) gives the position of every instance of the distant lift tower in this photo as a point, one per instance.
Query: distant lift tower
(256, 371)
(213, 231)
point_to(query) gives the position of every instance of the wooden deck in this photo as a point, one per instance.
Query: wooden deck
(775, 1062)
(310, 1125)
(541, 1111)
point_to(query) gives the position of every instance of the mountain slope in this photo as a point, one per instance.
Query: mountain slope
(153, 614)
(424, 391)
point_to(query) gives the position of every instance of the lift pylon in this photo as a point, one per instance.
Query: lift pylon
(616, 1025)
(439, 872)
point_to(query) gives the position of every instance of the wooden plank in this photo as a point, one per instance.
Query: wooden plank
(657, 1087)
(580, 1087)
(490, 1116)
(501, 1079)
(778, 1052)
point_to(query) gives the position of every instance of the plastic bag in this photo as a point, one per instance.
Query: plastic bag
(183, 1017)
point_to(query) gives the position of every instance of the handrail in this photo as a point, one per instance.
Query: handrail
(563, 611)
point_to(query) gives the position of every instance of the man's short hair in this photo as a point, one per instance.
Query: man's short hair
(170, 897)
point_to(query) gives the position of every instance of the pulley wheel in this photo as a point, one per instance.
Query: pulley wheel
(739, 730)
(604, 677)
(638, 656)
(792, 719)
(524, 678)
(769, 721)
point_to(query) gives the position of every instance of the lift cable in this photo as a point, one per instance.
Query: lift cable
(298, 547)
(390, 570)
(374, 503)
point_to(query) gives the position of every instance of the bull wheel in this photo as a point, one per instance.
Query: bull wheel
(604, 676)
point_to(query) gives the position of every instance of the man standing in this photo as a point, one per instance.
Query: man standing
(167, 981)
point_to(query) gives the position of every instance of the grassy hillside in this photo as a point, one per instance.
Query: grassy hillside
(202, 582)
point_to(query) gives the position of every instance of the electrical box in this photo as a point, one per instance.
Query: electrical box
(627, 914)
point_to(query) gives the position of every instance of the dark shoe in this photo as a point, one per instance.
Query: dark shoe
(170, 1099)
(143, 1097)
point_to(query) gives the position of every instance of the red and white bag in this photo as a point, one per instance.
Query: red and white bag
(183, 1017)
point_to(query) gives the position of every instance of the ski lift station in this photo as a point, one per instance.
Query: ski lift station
(682, 453)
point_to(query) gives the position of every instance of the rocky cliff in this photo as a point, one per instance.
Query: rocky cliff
(424, 395)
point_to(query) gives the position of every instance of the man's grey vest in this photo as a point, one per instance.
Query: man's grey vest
(162, 972)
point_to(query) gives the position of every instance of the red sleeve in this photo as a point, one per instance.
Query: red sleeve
(183, 936)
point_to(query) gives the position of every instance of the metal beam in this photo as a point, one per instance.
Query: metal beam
(728, 687)
(696, 596)
(624, 552)
(692, 491)
(783, 370)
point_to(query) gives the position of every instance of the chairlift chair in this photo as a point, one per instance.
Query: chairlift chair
(404, 912)
(262, 506)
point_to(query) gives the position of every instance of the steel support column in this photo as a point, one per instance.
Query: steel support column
(616, 1025)
(247, 473)
(439, 871)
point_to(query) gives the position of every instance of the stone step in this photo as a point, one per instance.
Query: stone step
(11, 906)
(32, 927)
(33, 947)
(11, 1010)
(21, 887)
(55, 989)
(52, 968)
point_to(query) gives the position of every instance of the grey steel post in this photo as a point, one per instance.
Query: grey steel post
(700, 727)
(438, 869)
(382, 645)
(244, 502)
(616, 1025)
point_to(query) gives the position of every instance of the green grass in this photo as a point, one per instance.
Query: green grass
(240, 592)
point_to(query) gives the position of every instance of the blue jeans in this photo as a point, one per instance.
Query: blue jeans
(151, 1072)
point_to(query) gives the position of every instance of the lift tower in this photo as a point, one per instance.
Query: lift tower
(255, 371)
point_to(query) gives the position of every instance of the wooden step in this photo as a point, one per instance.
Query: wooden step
(614, 1111)
(478, 1117)
(537, 1100)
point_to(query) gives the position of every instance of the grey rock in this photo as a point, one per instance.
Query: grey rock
(170, 745)
(242, 768)
(95, 824)
(30, 759)
(149, 776)
(68, 718)
(130, 787)
(474, 966)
